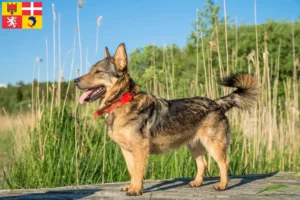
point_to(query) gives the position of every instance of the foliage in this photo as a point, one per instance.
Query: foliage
(173, 66)
(18, 98)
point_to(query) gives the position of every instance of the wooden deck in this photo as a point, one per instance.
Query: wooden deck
(240, 187)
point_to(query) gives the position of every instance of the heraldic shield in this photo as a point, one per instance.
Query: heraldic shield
(22, 15)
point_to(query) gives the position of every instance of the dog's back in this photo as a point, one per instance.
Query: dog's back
(173, 123)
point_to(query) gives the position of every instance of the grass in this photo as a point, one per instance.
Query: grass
(51, 160)
(13, 135)
(6, 142)
(67, 146)
(273, 188)
(13, 131)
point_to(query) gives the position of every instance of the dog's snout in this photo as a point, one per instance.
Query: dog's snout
(76, 80)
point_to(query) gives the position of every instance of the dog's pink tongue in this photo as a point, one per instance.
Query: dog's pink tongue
(84, 96)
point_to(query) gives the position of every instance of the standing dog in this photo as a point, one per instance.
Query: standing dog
(142, 124)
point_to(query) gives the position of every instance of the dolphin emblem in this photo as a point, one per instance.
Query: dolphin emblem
(33, 19)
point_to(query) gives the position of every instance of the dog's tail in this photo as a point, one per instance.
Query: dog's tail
(244, 96)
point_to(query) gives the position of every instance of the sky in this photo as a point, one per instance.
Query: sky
(136, 23)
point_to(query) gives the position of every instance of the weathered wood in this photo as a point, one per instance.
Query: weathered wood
(240, 187)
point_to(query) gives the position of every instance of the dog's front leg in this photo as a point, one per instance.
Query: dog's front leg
(140, 152)
(130, 164)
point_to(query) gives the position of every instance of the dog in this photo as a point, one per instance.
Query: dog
(142, 124)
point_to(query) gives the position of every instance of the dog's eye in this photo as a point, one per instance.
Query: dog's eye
(98, 72)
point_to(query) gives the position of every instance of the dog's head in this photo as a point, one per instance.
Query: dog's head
(103, 75)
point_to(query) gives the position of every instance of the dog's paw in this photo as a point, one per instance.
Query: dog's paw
(134, 192)
(195, 183)
(220, 187)
(125, 188)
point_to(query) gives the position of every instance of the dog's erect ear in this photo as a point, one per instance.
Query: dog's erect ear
(120, 57)
(106, 53)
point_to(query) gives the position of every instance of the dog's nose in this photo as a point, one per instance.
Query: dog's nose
(76, 80)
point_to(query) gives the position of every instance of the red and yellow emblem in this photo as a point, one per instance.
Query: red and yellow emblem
(22, 15)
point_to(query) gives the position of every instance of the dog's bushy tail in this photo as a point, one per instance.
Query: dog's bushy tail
(245, 95)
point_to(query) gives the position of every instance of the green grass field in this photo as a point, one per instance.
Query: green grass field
(6, 142)
(74, 149)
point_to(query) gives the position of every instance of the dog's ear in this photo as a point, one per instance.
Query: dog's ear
(106, 53)
(120, 58)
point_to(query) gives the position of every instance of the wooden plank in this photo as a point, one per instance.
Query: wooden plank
(240, 187)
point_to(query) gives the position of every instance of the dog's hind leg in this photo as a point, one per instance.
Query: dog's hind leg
(216, 147)
(198, 151)
(218, 152)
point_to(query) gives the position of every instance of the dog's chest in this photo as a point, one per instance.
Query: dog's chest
(117, 134)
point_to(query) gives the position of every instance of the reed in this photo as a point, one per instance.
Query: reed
(74, 149)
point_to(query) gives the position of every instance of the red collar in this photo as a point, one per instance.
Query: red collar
(127, 97)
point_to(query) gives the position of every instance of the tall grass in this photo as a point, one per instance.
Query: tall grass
(47, 72)
(67, 146)
(98, 23)
(13, 129)
(51, 158)
(54, 56)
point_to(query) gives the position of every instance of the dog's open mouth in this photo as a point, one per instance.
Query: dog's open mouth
(92, 94)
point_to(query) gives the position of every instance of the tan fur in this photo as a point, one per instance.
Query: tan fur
(198, 152)
(152, 125)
